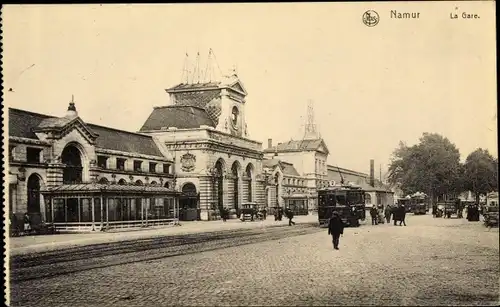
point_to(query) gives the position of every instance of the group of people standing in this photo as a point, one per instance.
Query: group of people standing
(17, 228)
(398, 214)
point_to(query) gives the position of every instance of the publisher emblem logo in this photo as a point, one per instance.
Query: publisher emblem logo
(371, 18)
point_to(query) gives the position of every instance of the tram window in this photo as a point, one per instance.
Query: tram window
(340, 200)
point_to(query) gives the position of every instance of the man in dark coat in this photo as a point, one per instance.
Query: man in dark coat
(387, 213)
(396, 214)
(402, 215)
(289, 215)
(374, 215)
(335, 229)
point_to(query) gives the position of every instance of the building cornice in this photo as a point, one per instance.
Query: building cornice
(100, 150)
(22, 140)
(216, 146)
(26, 164)
(133, 173)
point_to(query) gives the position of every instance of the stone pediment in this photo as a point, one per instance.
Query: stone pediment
(322, 147)
(238, 87)
(57, 128)
(234, 84)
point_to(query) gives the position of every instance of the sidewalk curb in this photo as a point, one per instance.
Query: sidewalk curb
(140, 234)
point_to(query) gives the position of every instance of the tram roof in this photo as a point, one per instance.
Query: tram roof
(342, 188)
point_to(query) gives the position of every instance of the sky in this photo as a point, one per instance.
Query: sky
(372, 87)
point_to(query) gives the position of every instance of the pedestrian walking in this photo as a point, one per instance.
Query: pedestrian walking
(374, 215)
(402, 215)
(280, 213)
(264, 212)
(27, 223)
(224, 214)
(396, 214)
(387, 213)
(335, 229)
(289, 215)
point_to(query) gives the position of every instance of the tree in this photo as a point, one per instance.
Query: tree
(481, 173)
(431, 166)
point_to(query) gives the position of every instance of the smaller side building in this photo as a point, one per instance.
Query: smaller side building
(81, 176)
(285, 187)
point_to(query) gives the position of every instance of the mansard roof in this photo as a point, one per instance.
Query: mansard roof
(181, 117)
(23, 123)
(231, 82)
(286, 168)
(299, 145)
(335, 169)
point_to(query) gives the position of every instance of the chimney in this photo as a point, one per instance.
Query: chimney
(269, 143)
(372, 173)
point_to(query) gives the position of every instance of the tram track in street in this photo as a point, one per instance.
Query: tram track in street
(114, 248)
(61, 262)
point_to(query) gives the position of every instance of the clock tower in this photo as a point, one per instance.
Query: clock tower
(232, 117)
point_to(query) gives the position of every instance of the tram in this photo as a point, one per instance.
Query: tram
(348, 200)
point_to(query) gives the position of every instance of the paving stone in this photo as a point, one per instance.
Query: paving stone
(429, 262)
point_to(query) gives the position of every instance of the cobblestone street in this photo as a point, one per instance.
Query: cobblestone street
(429, 262)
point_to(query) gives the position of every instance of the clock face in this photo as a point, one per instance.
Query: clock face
(234, 116)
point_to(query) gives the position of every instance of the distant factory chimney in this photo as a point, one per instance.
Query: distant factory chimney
(269, 143)
(372, 173)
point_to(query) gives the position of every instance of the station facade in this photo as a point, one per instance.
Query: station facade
(190, 158)
(81, 176)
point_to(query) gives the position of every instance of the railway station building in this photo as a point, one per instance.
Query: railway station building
(191, 157)
(81, 176)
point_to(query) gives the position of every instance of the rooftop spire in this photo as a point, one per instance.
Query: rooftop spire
(72, 108)
(310, 128)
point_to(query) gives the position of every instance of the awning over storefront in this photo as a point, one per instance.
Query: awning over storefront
(88, 188)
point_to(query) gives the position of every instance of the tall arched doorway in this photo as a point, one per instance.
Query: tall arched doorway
(236, 186)
(249, 173)
(34, 194)
(188, 203)
(219, 183)
(72, 172)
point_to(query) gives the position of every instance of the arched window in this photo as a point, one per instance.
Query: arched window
(138, 182)
(72, 172)
(122, 182)
(249, 182)
(235, 172)
(103, 180)
(368, 199)
(34, 194)
(219, 180)
(154, 183)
